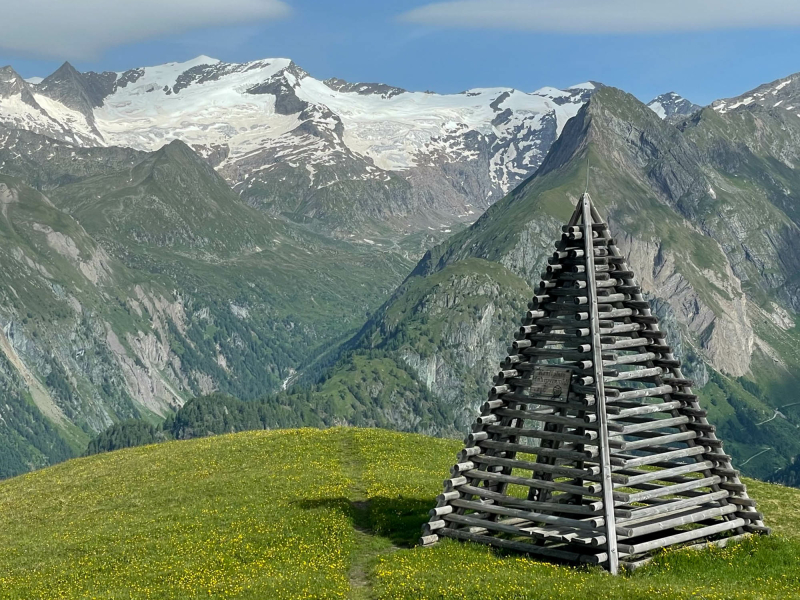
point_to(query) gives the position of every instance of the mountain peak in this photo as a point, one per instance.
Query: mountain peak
(9, 78)
(65, 73)
(12, 84)
(67, 67)
(8, 70)
(197, 61)
(177, 150)
(586, 85)
(203, 59)
(608, 123)
(672, 106)
(68, 86)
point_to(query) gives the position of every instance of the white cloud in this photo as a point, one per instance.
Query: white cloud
(609, 16)
(83, 29)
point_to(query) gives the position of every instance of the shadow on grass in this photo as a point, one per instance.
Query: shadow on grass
(397, 519)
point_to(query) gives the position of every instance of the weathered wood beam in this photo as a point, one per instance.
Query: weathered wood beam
(555, 553)
(684, 536)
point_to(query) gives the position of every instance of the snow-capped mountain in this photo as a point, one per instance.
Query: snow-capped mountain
(321, 150)
(783, 93)
(672, 106)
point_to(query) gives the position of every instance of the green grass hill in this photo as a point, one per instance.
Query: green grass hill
(309, 513)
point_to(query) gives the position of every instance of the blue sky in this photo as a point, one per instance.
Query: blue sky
(703, 49)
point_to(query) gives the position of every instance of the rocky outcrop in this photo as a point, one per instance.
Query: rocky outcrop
(721, 325)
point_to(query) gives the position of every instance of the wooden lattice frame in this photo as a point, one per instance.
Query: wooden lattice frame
(626, 461)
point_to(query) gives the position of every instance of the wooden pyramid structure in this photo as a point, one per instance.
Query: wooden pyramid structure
(625, 460)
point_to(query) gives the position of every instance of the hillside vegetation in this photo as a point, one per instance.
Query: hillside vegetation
(310, 513)
(377, 394)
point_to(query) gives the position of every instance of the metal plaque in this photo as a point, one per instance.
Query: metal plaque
(552, 382)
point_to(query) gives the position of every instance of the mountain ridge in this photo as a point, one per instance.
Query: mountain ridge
(431, 161)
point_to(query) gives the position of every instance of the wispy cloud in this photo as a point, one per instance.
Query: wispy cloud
(608, 16)
(83, 29)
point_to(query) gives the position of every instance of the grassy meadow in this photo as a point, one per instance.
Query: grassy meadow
(317, 514)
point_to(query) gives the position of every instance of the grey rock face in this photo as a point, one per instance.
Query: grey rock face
(70, 88)
(365, 89)
(11, 84)
(286, 100)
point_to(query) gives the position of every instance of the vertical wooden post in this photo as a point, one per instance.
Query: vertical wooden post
(600, 395)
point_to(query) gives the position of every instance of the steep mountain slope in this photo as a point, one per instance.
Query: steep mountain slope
(704, 214)
(144, 280)
(318, 514)
(348, 158)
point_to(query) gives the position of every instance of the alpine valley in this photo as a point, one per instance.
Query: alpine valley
(355, 253)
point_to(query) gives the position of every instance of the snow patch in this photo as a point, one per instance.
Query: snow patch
(658, 108)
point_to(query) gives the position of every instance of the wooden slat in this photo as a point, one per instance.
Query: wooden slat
(668, 490)
(653, 441)
(635, 374)
(522, 529)
(632, 565)
(629, 480)
(529, 515)
(541, 434)
(586, 473)
(646, 409)
(654, 425)
(659, 390)
(684, 536)
(565, 555)
(677, 520)
(629, 359)
(638, 461)
(587, 490)
(592, 508)
(600, 397)
(662, 507)
(586, 454)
